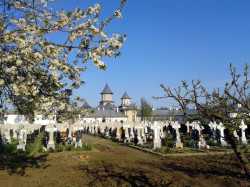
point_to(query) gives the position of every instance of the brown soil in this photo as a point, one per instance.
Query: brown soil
(110, 164)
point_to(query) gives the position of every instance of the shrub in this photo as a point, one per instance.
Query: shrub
(245, 150)
(212, 143)
(8, 149)
(187, 137)
(168, 143)
(190, 143)
(115, 140)
(71, 148)
(14, 141)
(168, 137)
(31, 148)
(40, 149)
(61, 149)
(244, 146)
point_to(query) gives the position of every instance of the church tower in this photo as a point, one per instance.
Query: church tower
(129, 110)
(125, 100)
(106, 96)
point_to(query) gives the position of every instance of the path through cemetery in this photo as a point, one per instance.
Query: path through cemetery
(111, 164)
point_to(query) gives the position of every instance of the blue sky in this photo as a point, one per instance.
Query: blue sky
(169, 41)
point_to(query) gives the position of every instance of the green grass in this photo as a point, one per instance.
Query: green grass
(160, 150)
(33, 146)
(14, 141)
(60, 148)
(40, 149)
(71, 148)
(87, 147)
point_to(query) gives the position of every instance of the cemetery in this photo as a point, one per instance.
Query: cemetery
(109, 144)
(198, 136)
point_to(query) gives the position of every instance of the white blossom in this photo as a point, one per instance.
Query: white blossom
(35, 67)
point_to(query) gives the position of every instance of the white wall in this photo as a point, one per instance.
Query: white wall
(20, 119)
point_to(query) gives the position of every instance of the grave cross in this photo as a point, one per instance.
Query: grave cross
(178, 143)
(243, 128)
(221, 128)
(51, 129)
(157, 140)
(21, 137)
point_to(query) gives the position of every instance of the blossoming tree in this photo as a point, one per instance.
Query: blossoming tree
(35, 75)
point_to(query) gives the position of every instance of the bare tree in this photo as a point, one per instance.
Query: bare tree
(229, 106)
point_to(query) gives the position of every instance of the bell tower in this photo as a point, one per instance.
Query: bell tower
(125, 100)
(106, 96)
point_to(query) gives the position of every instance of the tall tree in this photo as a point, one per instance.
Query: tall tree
(134, 109)
(230, 106)
(35, 74)
(146, 110)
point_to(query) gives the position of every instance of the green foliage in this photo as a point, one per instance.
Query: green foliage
(14, 141)
(40, 149)
(190, 143)
(8, 149)
(114, 140)
(168, 137)
(160, 150)
(31, 148)
(169, 143)
(212, 143)
(71, 148)
(60, 148)
(146, 110)
(187, 137)
(245, 148)
(168, 140)
(247, 121)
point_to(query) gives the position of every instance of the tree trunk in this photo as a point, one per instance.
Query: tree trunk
(240, 155)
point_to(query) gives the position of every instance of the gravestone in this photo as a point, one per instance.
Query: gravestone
(131, 134)
(78, 142)
(157, 140)
(118, 133)
(213, 127)
(221, 129)
(21, 136)
(14, 132)
(188, 127)
(50, 128)
(106, 131)
(178, 142)
(235, 135)
(243, 128)
(126, 134)
(139, 138)
(202, 144)
(144, 137)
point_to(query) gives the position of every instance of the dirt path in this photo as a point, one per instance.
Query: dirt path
(109, 164)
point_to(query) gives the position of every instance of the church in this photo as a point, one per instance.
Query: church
(107, 111)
